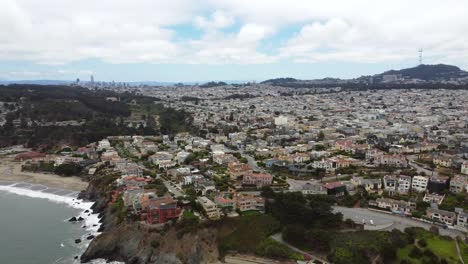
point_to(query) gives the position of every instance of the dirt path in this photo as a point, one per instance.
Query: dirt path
(459, 252)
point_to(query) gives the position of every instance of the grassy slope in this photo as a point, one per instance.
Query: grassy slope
(443, 248)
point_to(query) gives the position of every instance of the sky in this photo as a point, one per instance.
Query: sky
(245, 40)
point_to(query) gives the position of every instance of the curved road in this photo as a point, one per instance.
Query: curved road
(388, 221)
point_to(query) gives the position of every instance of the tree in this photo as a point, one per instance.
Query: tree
(321, 136)
(67, 169)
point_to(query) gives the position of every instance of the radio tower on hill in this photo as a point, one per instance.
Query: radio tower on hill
(420, 56)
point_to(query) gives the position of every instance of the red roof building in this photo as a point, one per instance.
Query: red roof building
(29, 155)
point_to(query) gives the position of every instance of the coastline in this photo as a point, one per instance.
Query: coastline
(91, 221)
(10, 170)
(56, 189)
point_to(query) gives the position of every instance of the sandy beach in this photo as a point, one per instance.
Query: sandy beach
(10, 170)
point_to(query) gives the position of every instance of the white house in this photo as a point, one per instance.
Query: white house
(404, 184)
(464, 168)
(281, 120)
(103, 144)
(420, 183)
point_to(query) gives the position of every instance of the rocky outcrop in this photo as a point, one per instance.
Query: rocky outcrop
(100, 206)
(137, 243)
(140, 244)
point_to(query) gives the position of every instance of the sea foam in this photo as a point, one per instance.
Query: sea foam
(91, 221)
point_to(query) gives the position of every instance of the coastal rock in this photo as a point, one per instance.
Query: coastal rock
(89, 237)
(73, 219)
(132, 243)
(77, 241)
(80, 218)
(86, 211)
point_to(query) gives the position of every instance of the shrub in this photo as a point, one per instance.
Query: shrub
(415, 253)
(155, 243)
(422, 243)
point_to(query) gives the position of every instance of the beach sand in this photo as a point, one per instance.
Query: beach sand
(10, 170)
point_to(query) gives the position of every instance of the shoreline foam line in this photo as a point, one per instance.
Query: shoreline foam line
(91, 221)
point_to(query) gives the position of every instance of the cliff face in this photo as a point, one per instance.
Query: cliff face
(138, 243)
(92, 193)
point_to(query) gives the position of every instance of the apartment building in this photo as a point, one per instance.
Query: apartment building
(419, 183)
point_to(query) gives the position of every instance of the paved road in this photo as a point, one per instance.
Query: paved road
(419, 168)
(389, 221)
(251, 161)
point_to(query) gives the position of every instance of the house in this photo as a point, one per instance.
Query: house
(159, 156)
(110, 155)
(390, 183)
(464, 168)
(419, 183)
(29, 155)
(224, 202)
(458, 184)
(177, 174)
(237, 169)
(182, 156)
(404, 184)
(249, 202)
(438, 184)
(224, 159)
(343, 145)
(313, 188)
(443, 160)
(462, 220)
(160, 210)
(396, 206)
(165, 164)
(204, 185)
(129, 196)
(134, 181)
(433, 198)
(391, 160)
(335, 188)
(104, 144)
(372, 185)
(443, 216)
(257, 179)
(209, 207)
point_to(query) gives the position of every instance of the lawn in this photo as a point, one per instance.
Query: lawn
(403, 254)
(442, 247)
(464, 251)
(251, 212)
(250, 235)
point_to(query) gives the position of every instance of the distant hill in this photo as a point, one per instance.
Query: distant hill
(421, 74)
(428, 72)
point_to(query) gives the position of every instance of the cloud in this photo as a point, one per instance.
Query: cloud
(233, 32)
(217, 21)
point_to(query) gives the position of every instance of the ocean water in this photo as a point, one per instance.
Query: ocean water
(34, 227)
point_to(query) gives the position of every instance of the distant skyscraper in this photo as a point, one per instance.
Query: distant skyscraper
(77, 80)
(92, 79)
